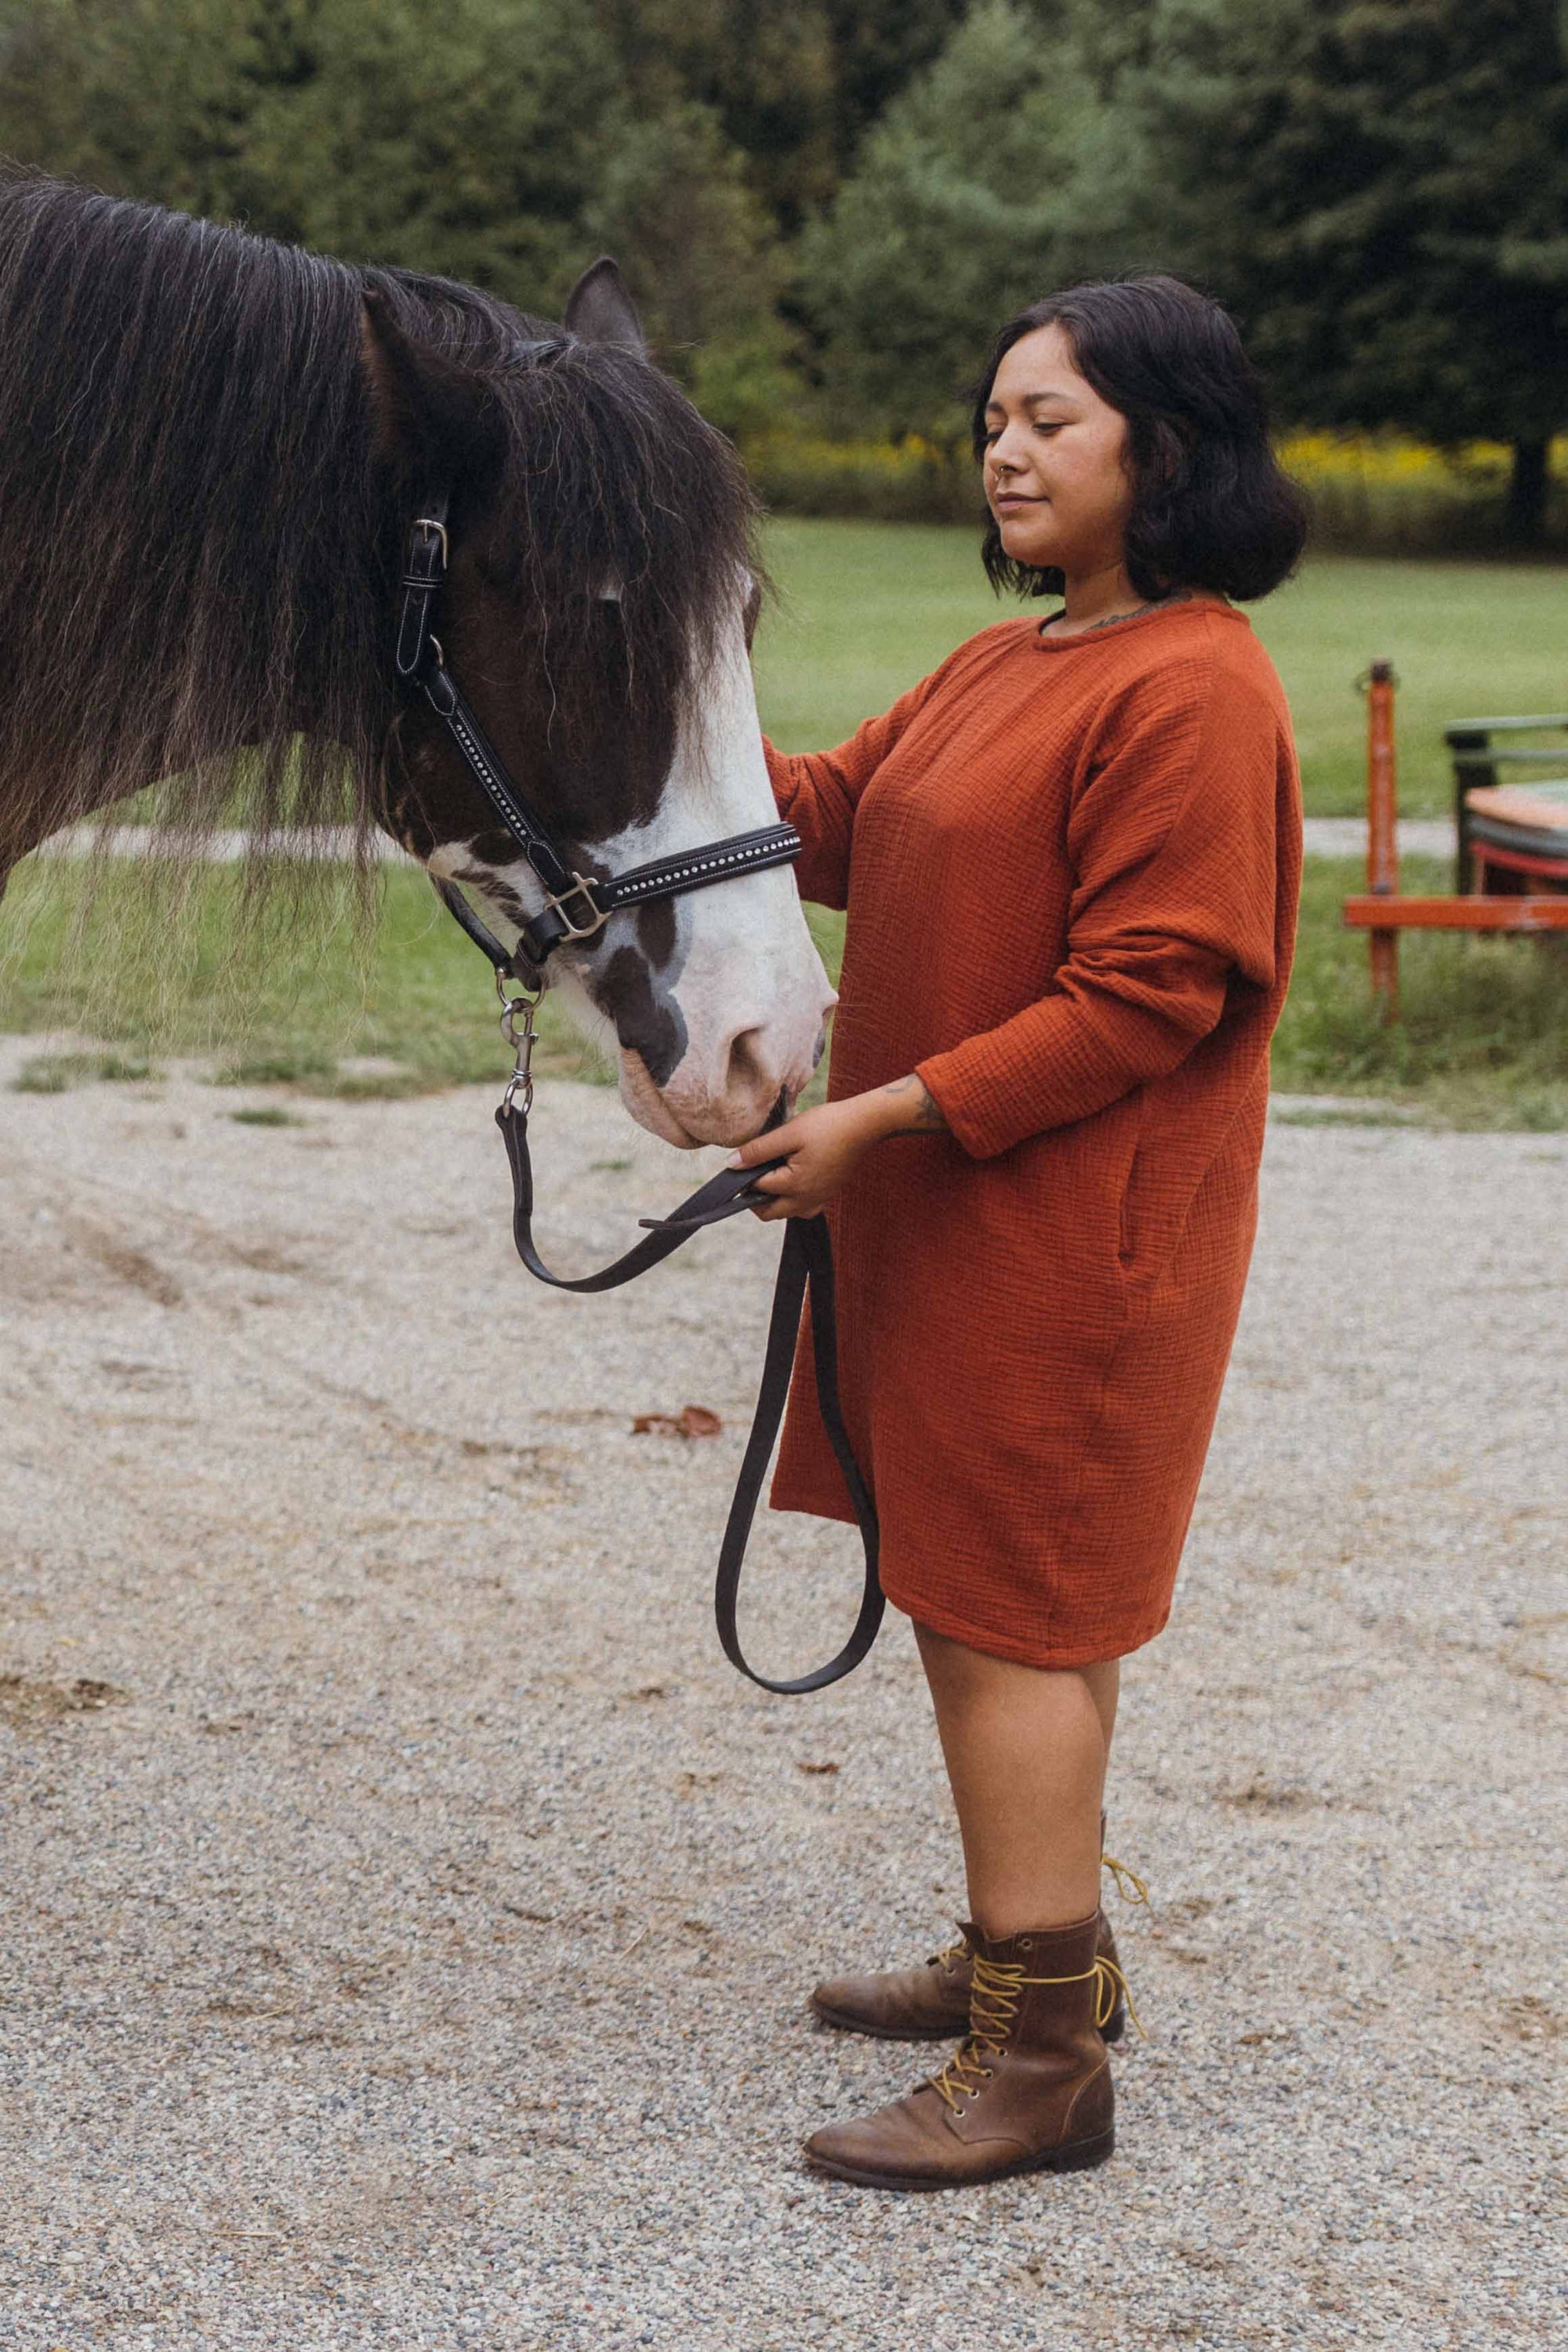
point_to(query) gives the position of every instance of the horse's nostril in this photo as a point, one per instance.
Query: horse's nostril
(745, 1061)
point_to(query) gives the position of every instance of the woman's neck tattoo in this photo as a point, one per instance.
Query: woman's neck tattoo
(1133, 612)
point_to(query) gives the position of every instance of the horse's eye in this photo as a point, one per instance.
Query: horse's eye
(499, 574)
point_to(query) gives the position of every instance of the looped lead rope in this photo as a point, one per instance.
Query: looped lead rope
(805, 1271)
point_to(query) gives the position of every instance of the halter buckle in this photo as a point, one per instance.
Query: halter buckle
(429, 522)
(582, 888)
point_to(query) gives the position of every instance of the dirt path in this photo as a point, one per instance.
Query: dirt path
(408, 1915)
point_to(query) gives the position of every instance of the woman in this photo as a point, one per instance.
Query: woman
(1070, 860)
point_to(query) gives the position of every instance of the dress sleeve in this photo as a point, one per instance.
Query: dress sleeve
(818, 793)
(1174, 848)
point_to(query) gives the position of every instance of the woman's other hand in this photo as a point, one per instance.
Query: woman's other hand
(822, 1148)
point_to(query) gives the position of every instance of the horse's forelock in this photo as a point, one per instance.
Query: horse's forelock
(615, 483)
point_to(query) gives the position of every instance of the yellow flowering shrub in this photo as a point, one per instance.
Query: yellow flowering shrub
(1380, 489)
(912, 480)
(1370, 489)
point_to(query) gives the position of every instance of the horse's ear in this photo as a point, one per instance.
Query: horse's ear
(432, 417)
(601, 311)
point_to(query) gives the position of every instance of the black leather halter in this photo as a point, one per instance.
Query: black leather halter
(576, 907)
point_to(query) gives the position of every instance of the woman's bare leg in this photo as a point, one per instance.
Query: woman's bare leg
(1027, 1752)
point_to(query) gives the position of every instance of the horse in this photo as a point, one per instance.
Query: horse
(213, 449)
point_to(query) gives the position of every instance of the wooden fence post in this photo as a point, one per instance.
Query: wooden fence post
(1382, 830)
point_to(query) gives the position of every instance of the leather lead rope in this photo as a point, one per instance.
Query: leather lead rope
(805, 1272)
(577, 906)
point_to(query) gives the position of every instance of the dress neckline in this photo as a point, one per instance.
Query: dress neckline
(1105, 630)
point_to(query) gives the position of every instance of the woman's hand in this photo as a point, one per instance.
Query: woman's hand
(822, 1147)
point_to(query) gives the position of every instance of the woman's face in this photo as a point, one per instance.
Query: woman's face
(1055, 472)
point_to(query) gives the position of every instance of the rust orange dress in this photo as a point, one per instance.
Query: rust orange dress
(1071, 869)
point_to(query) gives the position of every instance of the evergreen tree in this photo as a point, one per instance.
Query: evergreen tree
(764, 68)
(330, 123)
(674, 204)
(794, 84)
(974, 195)
(1381, 187)
(878, 46)
(508, 153)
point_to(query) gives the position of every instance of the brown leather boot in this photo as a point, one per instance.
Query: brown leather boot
(924, 2004)
(1029, 2092)
(931, 2003)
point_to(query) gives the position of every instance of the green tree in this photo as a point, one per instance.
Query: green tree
(508, 153)
(1381, 188)
(878, 47)
(794, 84)
(330, 123)
(765, 71)
(975, 195)
(675, 206)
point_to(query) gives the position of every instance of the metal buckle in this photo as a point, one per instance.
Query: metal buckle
(582, 888)
(428, 522)
(521, 1081)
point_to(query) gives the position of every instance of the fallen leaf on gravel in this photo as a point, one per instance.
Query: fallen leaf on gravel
(816, 1768)
(691, 1421)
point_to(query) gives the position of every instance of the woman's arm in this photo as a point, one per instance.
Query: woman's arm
(1173, 841)
(818, 793)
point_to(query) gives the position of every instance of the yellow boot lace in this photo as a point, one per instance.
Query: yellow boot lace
(1125, 1879)
(994, 2005)
(1128, 1885)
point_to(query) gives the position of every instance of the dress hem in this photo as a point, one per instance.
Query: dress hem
(1056, 1657)
(1053, 1657)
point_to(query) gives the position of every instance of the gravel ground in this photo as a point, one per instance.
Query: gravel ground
(408, 1915)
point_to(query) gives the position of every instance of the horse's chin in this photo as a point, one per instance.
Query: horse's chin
(648, 1108)
(722, 1123)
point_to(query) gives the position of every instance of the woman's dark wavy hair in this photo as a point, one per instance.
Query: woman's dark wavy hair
(1211, 507)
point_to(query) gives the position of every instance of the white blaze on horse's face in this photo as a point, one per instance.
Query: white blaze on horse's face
(715, 1004)
(743, 976)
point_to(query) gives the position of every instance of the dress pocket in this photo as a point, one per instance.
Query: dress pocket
(1127, 1211)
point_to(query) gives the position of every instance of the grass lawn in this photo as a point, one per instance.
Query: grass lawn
(867, 609)
(870, 607)
(1482, 1037)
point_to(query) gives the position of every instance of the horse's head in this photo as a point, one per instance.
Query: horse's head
(598, 611)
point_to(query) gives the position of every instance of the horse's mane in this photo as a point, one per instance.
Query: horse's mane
(198, 545)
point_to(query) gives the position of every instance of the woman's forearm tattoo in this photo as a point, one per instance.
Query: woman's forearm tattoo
(925, 1115)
